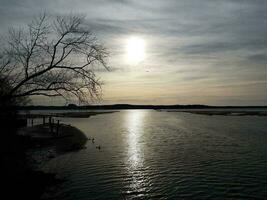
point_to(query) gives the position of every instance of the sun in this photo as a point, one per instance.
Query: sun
(135, 50)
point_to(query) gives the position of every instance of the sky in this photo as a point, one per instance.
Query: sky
(196, 52)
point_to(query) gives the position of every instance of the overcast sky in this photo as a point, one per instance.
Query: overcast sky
(197, 52)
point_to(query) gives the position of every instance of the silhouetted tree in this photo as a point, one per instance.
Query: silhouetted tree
(51, 57)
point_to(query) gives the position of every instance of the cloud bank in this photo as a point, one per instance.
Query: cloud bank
(209, 51)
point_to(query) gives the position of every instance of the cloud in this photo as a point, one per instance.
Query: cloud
(208, 43)
(258, 58)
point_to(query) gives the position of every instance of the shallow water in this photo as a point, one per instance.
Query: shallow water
(147, 154)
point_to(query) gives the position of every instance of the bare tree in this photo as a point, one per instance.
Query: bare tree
(52, 57)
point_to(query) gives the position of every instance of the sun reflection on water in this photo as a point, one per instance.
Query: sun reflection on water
(135, 150)
(135, 131)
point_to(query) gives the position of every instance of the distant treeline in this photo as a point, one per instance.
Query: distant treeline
(129, 106)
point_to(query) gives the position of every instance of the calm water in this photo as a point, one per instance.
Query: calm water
(146, 154)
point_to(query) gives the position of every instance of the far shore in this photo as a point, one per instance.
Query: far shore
(226, 113)
(69, 114)
(131, 106)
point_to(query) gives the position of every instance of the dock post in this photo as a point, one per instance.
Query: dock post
(32, 122)
(50, 124)
(57, 126)
(53, 124)
(43, 120)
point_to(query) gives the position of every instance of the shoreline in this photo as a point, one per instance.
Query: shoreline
(22, 170)
(50, 145)
(226, 113)
(72, 114)
(133, 106)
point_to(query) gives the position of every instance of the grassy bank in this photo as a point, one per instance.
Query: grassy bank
(19, 169)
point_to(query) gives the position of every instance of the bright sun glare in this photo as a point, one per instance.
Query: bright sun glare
(135, 49)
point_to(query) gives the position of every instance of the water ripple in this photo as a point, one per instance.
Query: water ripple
(160, 155)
